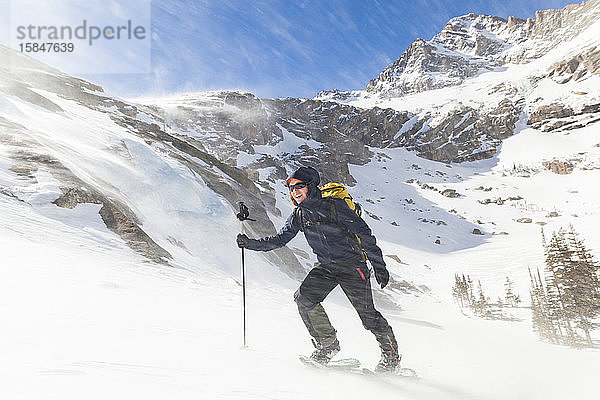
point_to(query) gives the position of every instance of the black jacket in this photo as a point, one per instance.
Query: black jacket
(330, 238)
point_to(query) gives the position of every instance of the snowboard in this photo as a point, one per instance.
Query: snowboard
(353, 365)
(344, 364)
(400, 372)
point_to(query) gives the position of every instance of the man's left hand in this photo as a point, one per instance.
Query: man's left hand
(382, 276)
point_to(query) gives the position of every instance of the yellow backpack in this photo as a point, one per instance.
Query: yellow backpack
(337, 190)
(334, 189)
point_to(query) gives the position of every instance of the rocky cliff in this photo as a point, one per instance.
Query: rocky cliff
(472, 43)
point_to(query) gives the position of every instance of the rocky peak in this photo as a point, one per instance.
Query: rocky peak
(471, 43)
(475, 35)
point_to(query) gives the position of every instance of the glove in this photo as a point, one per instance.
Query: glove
(382, 276)
(242, 240)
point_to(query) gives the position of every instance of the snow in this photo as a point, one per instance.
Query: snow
(87, 317)
(533, 146)
(87, 312)
(407, 126)
(290, 144)
(84, 316)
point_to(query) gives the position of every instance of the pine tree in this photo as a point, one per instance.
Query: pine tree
(556, 251)
(542, 322)
(572, 286)
(462, 292)
(457, 291)
(581, 284)
(512, 300)
(469, 285)
(537, 311)
(481, 306)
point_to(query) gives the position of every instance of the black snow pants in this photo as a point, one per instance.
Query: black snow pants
(354, 281)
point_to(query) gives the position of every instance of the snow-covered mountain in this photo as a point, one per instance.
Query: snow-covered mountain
(467, 88)
(118, 220)
(473, 44)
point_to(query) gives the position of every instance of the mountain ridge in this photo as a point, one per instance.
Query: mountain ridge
(473, 43)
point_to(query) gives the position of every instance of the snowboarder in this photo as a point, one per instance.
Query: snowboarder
(341, 261)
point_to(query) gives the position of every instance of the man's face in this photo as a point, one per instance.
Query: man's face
(298, 194)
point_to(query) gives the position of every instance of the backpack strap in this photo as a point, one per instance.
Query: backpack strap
(298, 216)
(331, 216)
(334, 219)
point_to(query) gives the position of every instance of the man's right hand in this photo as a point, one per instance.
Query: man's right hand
(242, 240)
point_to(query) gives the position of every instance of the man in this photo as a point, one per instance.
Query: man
(331, 229)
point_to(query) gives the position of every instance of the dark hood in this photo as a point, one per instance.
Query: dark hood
(312, 179)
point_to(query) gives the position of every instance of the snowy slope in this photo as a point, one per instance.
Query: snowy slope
(90, 318)
(86, 312)
(105, 155)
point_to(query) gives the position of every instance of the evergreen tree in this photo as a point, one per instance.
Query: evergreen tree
(512, 300)
(555, 266)
(537, 312)
(457, 291)
(469, 284)
(542, 322)
(580, 281)
(481, 306)
(572, 286)
(463, 291)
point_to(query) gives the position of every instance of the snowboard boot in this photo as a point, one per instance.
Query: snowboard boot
(390, 361)
(323, 354)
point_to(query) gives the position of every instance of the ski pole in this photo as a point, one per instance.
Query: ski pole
(242, 216)
(244, 294)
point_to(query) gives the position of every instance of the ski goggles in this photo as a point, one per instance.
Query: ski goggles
(299, 185)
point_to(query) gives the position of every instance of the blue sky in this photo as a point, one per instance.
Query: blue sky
(279, 48)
